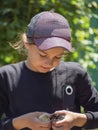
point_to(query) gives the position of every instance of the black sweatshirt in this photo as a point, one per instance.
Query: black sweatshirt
(68, 86)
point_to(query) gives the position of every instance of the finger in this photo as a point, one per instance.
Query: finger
(58, 128)
(45, 128)
(45, 124)
(60, 112)
(59, 123)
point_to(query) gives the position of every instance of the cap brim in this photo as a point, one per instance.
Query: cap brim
(48, 43)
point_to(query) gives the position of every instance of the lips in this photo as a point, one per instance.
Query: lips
(46, 68)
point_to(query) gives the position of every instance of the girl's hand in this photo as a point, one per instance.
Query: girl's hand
(70, 120)
(32, 121)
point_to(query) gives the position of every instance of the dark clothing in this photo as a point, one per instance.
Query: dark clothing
(68, 86)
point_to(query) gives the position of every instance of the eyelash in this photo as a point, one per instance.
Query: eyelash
(56, 58)
(42, 55)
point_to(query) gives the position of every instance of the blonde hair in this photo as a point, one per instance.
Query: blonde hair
(20, 42)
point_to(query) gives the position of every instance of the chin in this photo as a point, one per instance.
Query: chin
(46, 71)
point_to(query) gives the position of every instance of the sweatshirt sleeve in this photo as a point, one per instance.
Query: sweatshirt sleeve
(5, 123)
(92, 120)
(88, 98)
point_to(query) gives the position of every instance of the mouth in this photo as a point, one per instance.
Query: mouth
(47, 69)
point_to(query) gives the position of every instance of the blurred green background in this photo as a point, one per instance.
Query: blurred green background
(83, 19)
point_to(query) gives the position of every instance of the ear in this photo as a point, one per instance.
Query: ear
(25, 41)
(26, 45)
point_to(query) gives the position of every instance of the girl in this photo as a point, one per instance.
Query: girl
(45, 84)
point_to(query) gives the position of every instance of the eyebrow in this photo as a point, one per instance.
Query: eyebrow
(46, 53)
(42, 51)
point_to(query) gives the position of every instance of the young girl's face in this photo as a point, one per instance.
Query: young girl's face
(43, 61)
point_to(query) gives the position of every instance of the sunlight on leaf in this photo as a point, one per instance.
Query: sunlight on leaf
(7, 59)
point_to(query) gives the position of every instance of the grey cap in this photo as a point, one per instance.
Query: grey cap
(48, 30)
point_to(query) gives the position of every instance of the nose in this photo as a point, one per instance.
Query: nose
(49, 62)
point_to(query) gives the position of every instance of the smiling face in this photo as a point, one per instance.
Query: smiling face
(43, 61)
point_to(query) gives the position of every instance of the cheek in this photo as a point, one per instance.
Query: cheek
(33, 58)
(32, 55)
(38, 60)
(55, 63)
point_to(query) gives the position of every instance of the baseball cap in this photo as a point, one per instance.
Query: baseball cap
(48, 30)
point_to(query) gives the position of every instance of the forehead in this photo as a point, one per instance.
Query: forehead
(56, 50)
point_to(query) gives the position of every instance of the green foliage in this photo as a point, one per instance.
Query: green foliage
(82, 16)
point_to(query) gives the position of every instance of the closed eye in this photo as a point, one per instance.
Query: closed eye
(42, 55)
(58, 57)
